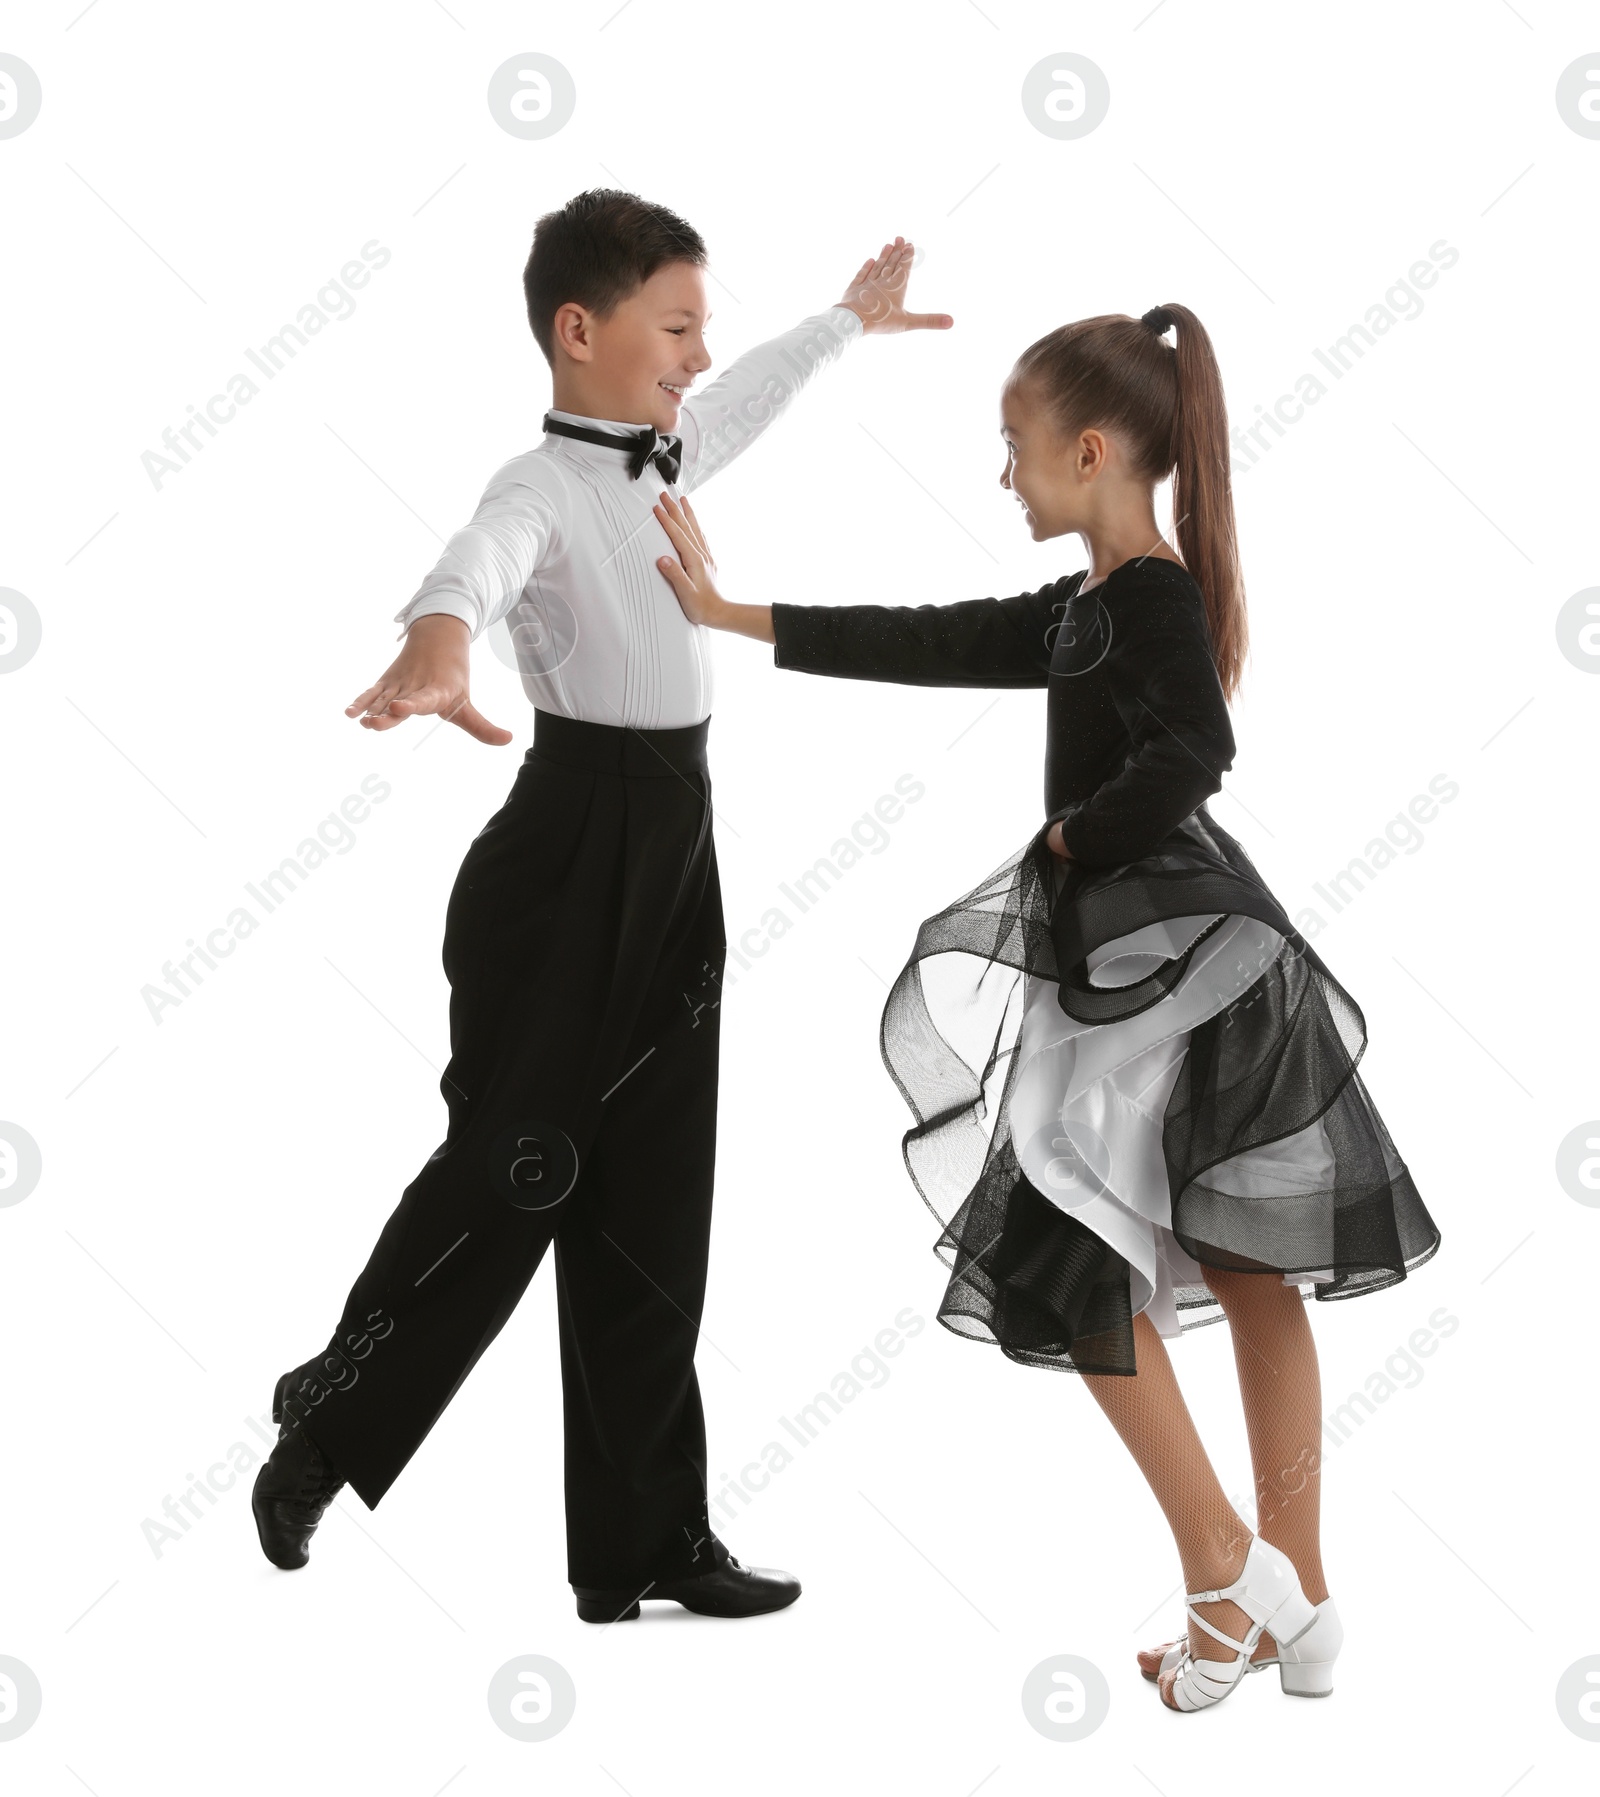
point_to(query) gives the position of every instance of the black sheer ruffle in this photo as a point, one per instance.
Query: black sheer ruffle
(1033, 1278)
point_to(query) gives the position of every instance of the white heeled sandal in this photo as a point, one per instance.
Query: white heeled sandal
(1268, 1591)
(1305, 1669)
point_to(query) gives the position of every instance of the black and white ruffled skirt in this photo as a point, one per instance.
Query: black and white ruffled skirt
(1122, 1076)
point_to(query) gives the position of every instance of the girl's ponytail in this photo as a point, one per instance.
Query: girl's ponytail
(1202, 488)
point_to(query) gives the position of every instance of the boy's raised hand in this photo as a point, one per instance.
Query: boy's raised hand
(428, 676)
(877, 295)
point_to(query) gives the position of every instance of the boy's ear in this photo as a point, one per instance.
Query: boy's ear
(570, 331)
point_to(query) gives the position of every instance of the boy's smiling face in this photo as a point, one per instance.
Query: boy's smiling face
(635, 365)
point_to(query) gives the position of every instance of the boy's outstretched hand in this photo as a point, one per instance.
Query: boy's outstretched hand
(428, 676)
(877, 295)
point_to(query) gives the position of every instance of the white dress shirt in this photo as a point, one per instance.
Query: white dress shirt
(564, 545)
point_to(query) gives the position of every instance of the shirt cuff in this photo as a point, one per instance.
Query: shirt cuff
(848, 321)
(444, 605)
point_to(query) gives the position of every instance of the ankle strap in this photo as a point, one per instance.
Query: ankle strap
(1246, 1646)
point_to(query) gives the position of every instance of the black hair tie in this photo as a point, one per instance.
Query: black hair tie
(1158, 319)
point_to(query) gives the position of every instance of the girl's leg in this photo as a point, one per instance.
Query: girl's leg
(1149, 1413)
(1281, 1386)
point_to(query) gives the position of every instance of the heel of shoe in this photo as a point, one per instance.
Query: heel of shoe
(1306, 1678)
(619, 1608)
(1292, 1618)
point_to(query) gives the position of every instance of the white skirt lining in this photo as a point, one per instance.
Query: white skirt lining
(1087, 1107)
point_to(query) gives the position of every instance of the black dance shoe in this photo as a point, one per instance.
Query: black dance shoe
(293, 1488)
(728, 1589)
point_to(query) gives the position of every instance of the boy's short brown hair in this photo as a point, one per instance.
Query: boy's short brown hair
(596, 250)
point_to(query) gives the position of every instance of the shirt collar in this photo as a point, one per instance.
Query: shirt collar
(606, 424)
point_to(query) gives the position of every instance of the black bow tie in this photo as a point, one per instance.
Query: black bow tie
(649, 445)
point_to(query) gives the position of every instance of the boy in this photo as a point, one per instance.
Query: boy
(584, 938)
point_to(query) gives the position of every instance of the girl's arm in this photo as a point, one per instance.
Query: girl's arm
(974, 642)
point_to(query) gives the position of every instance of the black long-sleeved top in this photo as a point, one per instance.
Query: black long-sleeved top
(1137, 731)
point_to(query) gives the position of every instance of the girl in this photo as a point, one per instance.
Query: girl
(1181, 1132)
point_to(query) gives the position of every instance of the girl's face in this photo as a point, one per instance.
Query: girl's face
(1050, 476)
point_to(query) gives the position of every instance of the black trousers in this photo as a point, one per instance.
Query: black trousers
(584, 947)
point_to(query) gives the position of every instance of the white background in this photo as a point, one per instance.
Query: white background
(212, 1183)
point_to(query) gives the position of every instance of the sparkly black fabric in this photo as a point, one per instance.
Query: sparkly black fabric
(1137, 739)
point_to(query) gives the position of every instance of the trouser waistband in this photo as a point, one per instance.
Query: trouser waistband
(620, 748)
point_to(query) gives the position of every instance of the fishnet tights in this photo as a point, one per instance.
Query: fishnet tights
(1276, 1361)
